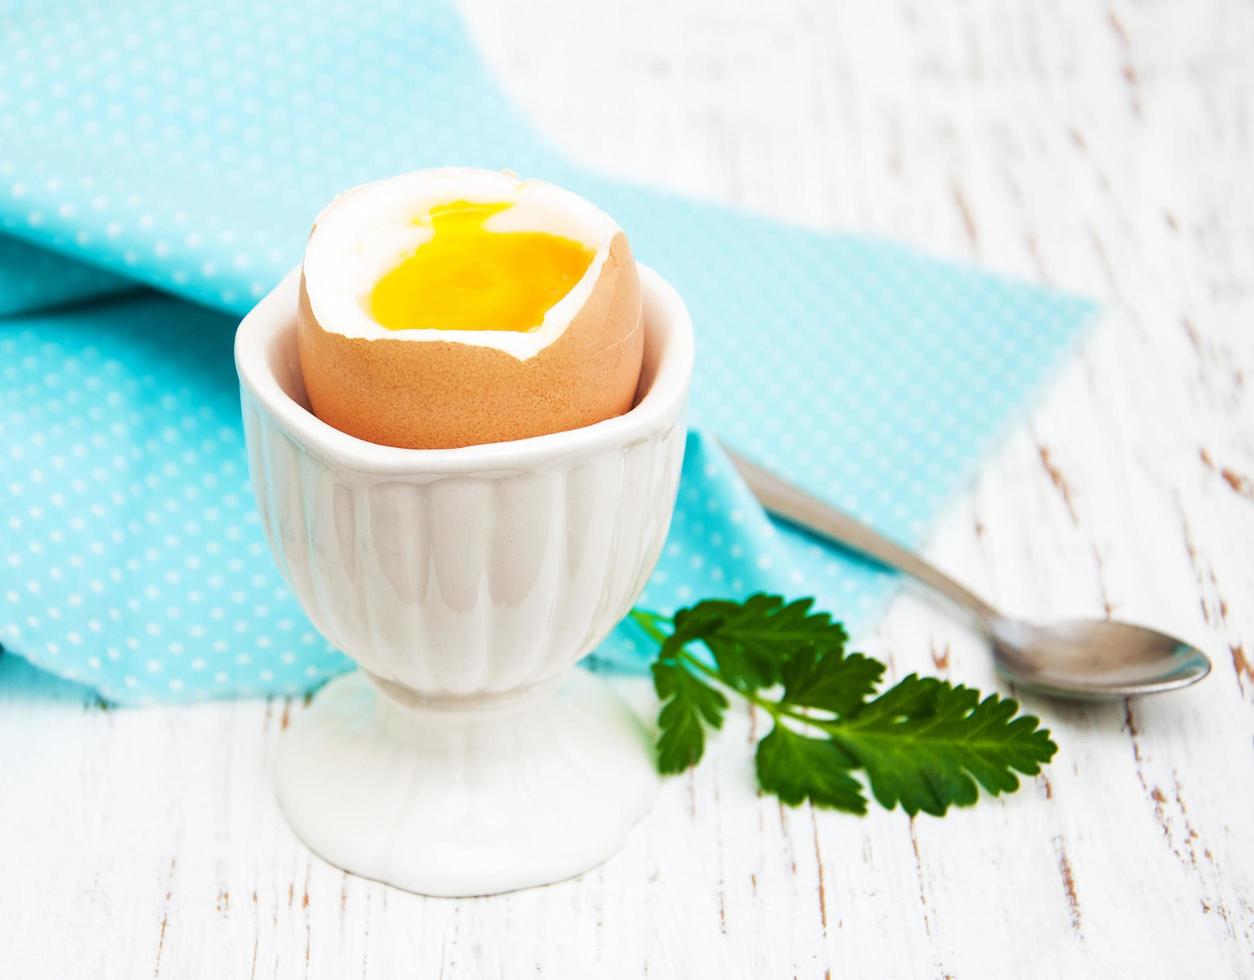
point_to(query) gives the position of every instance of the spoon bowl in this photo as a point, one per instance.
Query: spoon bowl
(1093, 659)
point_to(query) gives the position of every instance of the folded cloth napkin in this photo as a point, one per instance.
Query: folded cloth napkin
(187, 147)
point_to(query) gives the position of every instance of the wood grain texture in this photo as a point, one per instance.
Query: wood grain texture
(1101, 148)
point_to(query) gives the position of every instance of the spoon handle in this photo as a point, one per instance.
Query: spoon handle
(797, 507)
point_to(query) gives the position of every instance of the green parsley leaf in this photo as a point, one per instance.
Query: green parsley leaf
(925, 744)
(796, 769)
(830, 681)
(687, 703)
(752, 640)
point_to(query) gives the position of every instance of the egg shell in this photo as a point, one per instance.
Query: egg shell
(443, 394)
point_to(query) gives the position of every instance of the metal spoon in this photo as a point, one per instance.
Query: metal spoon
(1082, 659)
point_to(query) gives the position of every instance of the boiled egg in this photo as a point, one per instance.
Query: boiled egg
(454, 307)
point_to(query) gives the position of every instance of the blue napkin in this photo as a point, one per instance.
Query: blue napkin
(187, 147)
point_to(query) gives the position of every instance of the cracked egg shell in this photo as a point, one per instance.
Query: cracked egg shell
(431, 388)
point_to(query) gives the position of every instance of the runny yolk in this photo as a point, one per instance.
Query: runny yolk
(467, 277)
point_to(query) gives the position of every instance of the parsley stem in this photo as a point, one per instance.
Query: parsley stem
(648, 621)
(773, 708)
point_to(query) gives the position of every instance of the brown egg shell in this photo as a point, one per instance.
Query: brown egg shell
(419, 394)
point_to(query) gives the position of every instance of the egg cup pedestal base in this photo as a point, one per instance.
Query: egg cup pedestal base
(466, 797)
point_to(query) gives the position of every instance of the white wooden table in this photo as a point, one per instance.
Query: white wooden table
(1106, 150)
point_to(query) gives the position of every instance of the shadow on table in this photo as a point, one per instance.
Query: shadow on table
(22, 680)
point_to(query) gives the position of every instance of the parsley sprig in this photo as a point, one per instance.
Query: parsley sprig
(923, 744)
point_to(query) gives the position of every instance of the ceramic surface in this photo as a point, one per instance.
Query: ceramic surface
(465, 583)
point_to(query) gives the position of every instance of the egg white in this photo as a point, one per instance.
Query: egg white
(367, 231)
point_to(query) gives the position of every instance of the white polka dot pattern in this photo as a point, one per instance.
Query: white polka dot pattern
(130, 554)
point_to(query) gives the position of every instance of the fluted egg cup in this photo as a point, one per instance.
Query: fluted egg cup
(465, 756)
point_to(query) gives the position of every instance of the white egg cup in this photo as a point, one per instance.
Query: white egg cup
(465, 757)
